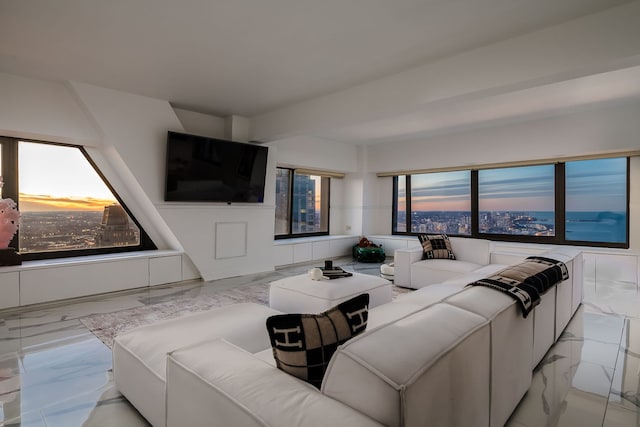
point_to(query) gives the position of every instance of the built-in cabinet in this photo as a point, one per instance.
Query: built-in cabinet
(53, 280)
(307, 249)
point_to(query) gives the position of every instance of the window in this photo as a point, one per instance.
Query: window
(302, 204)
(575, 202)
(400, 204)
(518, 200)
(283, 207)
(66, 207)
(441, 203)
(596, 200)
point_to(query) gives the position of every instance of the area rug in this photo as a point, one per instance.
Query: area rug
(106, 326)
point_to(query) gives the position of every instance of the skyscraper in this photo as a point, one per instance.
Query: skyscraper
(304, 204)
(115, 229)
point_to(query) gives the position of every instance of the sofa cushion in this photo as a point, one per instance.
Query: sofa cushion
(472, 276)
(429, 368)
(436, 246)
(218, 384)
(304, 343)
(139, 356)
(511, 345)
(468, 249)
(429, 295)
(432, 271)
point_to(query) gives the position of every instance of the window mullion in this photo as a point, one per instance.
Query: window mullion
(407, 198)
(10, 177)
(475, 210)
(291, 188)
(560, 202)
(9, 168)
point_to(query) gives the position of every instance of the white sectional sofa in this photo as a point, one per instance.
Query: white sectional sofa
(474, 258)
(443, 355)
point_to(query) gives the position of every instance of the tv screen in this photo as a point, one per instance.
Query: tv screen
(201, 169)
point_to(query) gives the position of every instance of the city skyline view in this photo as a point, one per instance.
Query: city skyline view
(579, 225)
(64, 203)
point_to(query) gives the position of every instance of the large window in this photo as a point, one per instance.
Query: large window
(576, 202)
(596, 200)
(66, 207)
(518, 200)
(302, 204)
(438, 202)
(400, 208)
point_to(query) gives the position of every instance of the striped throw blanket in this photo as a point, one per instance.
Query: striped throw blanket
(525, 282)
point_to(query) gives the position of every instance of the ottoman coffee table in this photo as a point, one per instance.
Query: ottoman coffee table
(301, 294)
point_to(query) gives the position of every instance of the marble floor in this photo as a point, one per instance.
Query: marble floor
(55, 373)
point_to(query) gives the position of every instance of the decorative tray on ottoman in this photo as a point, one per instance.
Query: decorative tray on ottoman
(335, 273)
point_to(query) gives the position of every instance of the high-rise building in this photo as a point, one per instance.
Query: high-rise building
(115, 229)
(304, 203)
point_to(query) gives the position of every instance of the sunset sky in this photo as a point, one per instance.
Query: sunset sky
(591, 185)
(59, 178)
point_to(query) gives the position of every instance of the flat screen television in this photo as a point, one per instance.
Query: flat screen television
(201, 169)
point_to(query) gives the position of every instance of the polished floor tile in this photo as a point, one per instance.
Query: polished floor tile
(55, 373)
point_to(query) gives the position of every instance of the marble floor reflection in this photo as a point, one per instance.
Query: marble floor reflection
(54, 372)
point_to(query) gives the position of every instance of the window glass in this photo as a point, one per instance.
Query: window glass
(302, 204)
(65, 205)
(310, 204)
(596, 200)
(400, 224)
(283, 210)
(517, 201)
(441, 203)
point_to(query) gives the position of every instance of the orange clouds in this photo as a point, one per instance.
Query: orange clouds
(40, 203)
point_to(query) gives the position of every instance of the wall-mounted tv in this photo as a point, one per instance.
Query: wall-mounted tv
(201, 169)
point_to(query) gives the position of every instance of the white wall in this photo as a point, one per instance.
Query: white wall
(346, 194)
(201, 124)
(593, 131)
(604, 130)
(36, 109)
(316, 153)
(136, 128)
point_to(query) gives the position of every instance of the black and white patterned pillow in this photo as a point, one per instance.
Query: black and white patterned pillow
(436, 246)
(304, 343)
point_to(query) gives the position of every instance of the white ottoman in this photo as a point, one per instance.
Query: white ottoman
(300, 294)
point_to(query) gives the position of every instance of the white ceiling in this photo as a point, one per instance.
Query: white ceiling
(248, 57)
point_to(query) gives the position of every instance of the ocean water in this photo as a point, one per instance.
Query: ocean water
(596, 226)
(590, 226)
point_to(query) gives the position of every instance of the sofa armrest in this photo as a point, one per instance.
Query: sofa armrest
(402, 260)
(219, 384)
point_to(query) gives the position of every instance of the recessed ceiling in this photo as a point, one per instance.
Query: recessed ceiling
(248, 57)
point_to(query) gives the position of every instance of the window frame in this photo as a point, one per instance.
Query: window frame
(560, 211)
(11, 190)
(409, 192)
(290, 234)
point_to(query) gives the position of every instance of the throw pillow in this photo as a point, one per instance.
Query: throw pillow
(304, 343)
(436, 246)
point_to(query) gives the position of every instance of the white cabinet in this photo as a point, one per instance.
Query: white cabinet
(70, 281)
(9, 289)
(166, 269)
(307, 249)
